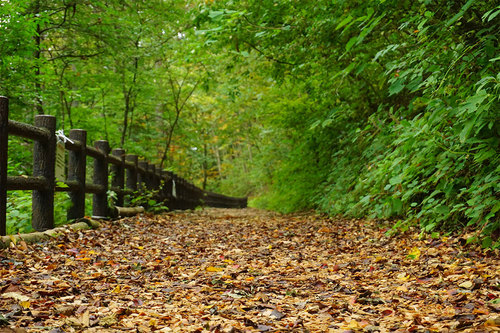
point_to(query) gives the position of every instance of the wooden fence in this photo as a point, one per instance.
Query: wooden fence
(129, 176)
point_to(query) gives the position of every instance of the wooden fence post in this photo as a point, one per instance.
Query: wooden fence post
(118, 179)
(77, 172)
(44, 159)
(131, 175)
(4, 142)
(157, 177)
(163, 184)
(152, 177)
(132, 172)
(100, 200)
(142, 178)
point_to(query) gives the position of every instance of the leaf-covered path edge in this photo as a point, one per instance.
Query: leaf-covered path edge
(247, 270)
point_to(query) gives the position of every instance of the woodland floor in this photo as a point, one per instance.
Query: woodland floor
(246, 270)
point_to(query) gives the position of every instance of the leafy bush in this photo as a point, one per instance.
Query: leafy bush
(387, 109)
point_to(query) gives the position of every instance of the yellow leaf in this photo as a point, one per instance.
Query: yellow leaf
(25, 304)
(414, 253)
(466, 285)
(324, 230)
(403, 277)
(13, 239)
(250, 278)
(354, 325)
(402, 288)
(117, 289)
(229, 261)
(214, 269)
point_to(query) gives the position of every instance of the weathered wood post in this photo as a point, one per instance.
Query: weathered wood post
(132, 172)
(100, 200)
(131, 175)
(118, 179)
(4, 142)
(181, 193)
(77, 172)
(152, 177)
(44, 161)
(142, 176)
(163, 189)
(157, 177)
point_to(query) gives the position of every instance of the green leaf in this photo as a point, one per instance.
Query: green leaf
(396, 205)
(460, 13)
(351, 43)
(464, 134)
(483, 155)
(491, 14)
(344, 22)
(216, 14)
(487, 242)
(396, 180)
(396, 87)
(442, 210)
(62, 184)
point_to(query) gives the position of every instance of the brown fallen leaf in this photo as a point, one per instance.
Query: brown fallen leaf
(269, 272)
(493, 322)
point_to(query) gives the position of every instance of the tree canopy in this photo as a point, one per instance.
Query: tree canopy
(379, 108)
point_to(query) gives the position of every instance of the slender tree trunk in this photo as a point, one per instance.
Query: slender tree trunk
(179, 106)
(169, 139)
(245, 167)
(205, 166)
(125, 119)
(217, 157)
(103, 113)
(129, 99)
(38, 55)
(63, 110)
(69, 105)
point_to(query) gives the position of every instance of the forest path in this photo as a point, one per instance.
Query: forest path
(247, 270)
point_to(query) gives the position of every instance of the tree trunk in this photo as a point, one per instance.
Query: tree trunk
(217, 156)
(129, 99)
(38, 55)
(205, 166)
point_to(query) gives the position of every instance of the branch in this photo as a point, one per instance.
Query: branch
(81, 56)
(266, 28)
(268, 56)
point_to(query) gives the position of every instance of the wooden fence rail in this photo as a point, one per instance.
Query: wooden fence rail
(129, 176)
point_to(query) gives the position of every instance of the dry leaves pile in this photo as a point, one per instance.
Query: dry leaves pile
(247, 271)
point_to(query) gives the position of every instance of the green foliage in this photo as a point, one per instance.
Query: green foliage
(400, 118)
(380, 108)
(19, 206)
(149, 200)
(19, 212)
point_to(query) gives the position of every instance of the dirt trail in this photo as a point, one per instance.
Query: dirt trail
(225, 270)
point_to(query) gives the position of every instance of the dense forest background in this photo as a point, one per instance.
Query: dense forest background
(380, 108)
